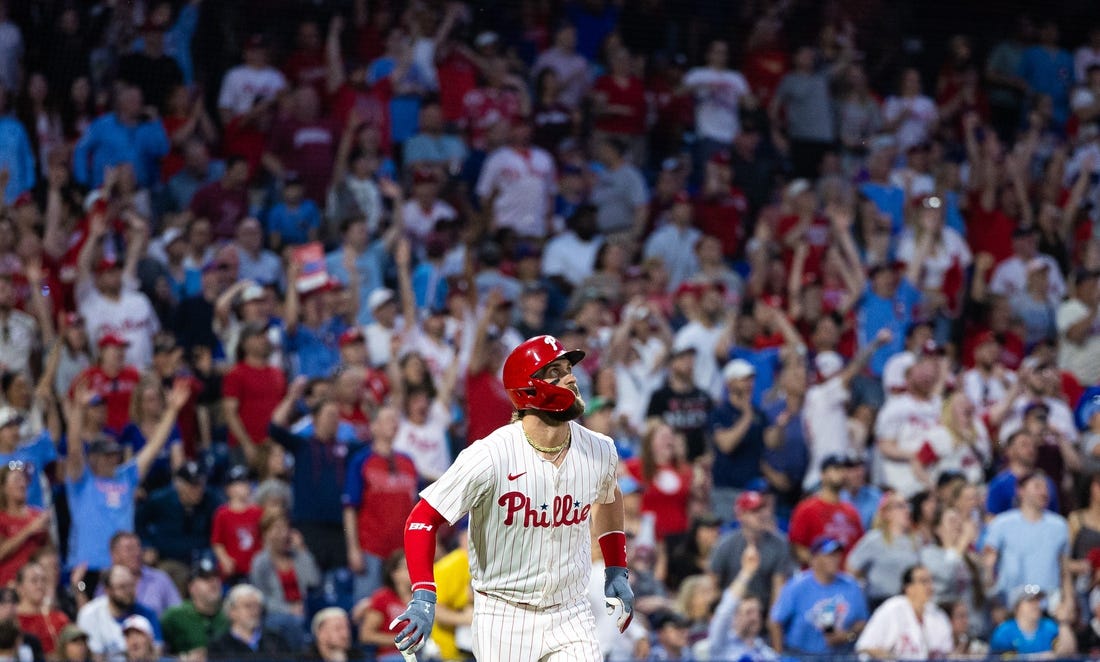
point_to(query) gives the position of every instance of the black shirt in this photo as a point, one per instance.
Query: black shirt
(686, 412)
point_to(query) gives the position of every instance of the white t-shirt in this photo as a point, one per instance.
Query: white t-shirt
(105, 636)
(530, 537)
(922, 183)
(523, 184)
(920, 114)
(427, 443)
(1060, 418)
(18, 338)
(894, 627)
(718, 96)
(437, 355)
(379, 341)
(1010, 278)
(131, 317)
(243, 84)
(951, 250)
(635, 383)
(962, 457)
(825, 418)
(566, 255)
(985, 392)
(902, 417)
(419, 221)
(703, 339)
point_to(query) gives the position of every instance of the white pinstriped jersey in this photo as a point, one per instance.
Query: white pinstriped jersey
(530, 541)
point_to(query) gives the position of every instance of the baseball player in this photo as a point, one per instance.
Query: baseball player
(536, 490)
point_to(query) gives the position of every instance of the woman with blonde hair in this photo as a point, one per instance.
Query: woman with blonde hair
(883, 553)
(959, 443)
(666, 477)
(146, 406)
(695, 601)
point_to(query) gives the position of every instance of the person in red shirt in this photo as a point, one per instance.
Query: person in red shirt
(503, 98)
(379, 494)
(487, 403)
(306, 65)
(620, 105)
(456, 69)
(376, 613)
(225, 202)
(112, 380)
(35, 614)
(803, 226)
(251, 391)
(824, 514)
(666, 478)
(304, 143)
(721, 206)
(235, 534)
(23, 529)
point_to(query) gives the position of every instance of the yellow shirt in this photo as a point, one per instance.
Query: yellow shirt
(452, 590)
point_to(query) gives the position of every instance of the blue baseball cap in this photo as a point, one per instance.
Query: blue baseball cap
(826, 545)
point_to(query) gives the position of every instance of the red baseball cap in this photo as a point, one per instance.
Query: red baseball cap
(351, 336)
(749, 502)
(112, 340)
(107, 263)
(984, 337)
(25, 198)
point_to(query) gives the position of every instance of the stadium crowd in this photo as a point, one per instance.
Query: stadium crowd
(261, 262)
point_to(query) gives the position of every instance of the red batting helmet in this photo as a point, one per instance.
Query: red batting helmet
(529, 392)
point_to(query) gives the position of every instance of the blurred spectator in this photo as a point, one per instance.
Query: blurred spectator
(909, 625)
(375, 615)
(1047, 70)
(1029, 631)
(235, 533)
(621, 108)
(665, 476)
(754, 531)
(105, 618)
(516, 184)
(431, 146)
(34, 613)
(1020, 452)
(737, 434)
(73, 645)
(570, 67)
(155, 588)
(199, 620)
(224, 202)
(252, 390)
(738, 619)
(720, 93)
(24, 527)
(17, 165)
(332, 642)
(954, 564)
(140, 638)
(889, 549)
(284, 572)
(1028, 544)
(824, 514)
(150, 69)
(820, 610)
(245, 636)
(251, 83)
(177, 520)
(129, 135)
(804, 107)
(295, 219)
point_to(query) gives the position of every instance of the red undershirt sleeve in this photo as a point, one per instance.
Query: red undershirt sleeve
(420, 532)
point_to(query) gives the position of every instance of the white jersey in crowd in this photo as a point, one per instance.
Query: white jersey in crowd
(243, 85)
(900, 418)
(1060, 419)
(968, 457)
(894, 628)
(523, 182)
(426, 443)
(131, 317)
(530, 540)
(825, 420)
(985, 391)
(1010, 278)
(703, 339)
(718, 95)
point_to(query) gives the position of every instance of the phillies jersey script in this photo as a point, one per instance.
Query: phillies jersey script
(530, 541)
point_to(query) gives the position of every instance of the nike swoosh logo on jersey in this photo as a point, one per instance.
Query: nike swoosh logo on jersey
(515, 476)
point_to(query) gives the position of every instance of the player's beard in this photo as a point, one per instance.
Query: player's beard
(575, 410)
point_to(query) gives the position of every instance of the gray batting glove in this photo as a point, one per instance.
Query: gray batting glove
(618, 596)
(419, 615)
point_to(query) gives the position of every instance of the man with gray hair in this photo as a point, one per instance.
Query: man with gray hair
(332, 641)
(246, 638)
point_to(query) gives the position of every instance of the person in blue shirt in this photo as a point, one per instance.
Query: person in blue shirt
(100, 488)
(1021, 452)
(295, 220)
(737, 436)
(1029, 631)
(16, 154)
(734, 632)
(368, 259)
(124, 136)
(821, 610)
(889, 301)
(765, 361)
(1048, 70)
(35, 455)
(888, 198)
(314, 325)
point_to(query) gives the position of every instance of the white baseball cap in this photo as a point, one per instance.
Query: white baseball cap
(828, 364)
(139, 623)
(893, 373)
(737, 369)
(380, 296)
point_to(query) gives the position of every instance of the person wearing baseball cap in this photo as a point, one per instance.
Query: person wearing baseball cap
(140, 639)
(1029, 631)
(737, 429)
(755, 529)
(825, 509)
(820, 611)
(194, 623)
(112, 379)
(681, 403)
(1076, 320)
(72, 643)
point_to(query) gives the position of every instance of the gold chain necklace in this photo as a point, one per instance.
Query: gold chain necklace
(548, 449)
